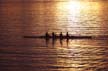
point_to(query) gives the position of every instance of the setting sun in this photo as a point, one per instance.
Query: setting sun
(71, 5)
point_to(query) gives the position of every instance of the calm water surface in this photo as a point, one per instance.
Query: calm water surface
(19, 18)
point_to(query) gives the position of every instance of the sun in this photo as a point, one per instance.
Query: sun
(75, 13)
(73, 5)
(70, 5)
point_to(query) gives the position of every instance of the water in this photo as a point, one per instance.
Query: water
(20, 18)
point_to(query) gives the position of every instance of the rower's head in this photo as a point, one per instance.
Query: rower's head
(47, 34)
(67, 33)
(60, 33)
(52, 32)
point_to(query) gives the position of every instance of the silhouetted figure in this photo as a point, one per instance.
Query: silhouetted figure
(47, 35)
(61, 35)
(47, 38)
(53, 38)
(67, 35)
(53, 35)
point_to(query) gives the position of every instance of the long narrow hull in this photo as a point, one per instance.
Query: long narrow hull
(59, 37)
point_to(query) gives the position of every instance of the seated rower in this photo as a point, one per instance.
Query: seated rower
(47, 35)
(53, 35)
(67, 35)
(61, 35)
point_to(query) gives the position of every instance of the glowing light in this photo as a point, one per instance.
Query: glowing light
(73, 5)
(75, 9)
(70, 5)
(70, 11)
(77, 6)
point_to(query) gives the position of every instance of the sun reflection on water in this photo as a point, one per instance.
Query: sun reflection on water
(74, 6)
(78, 14)
(70, 5)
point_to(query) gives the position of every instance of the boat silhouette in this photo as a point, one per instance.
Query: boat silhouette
(60, 36)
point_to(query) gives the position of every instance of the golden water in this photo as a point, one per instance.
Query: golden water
(19, 18)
